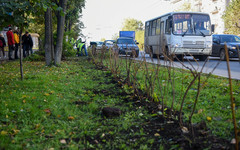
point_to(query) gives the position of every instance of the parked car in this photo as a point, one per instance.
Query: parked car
(99, 45)
(109, 44)
(126, 46)
(219, 40)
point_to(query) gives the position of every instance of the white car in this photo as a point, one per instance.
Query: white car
(109, 44)
(99, 45)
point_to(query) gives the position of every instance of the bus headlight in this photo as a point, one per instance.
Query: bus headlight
(208, 44)
(177, 45)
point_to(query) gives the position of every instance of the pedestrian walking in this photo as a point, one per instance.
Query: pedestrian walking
(27, 44)
(2, 45)
(16, 40)
(10, 38)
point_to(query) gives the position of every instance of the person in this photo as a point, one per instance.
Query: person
(11, 43)
(200, 26)
(16, 40)
(80, 47)
(2, 45)
(27, 44)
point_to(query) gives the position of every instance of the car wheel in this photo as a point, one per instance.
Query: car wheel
(222, 55)
(203, 57)
(151, 53)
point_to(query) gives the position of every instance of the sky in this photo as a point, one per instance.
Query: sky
(104, 18)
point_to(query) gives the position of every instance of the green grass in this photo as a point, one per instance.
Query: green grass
(60, 107)
(54, 105)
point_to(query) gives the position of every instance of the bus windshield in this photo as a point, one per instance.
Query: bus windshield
(191, 24)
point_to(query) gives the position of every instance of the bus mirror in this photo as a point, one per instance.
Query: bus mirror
(169, 17)
(213, 28)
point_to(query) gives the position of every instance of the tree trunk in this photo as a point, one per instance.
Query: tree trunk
(51, 27)
(48, 32)
(60, 32)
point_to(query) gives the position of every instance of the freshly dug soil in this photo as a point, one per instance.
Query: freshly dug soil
(164, 129)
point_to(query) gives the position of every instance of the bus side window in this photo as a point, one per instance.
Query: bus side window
(150, 29)
(158, 27)
(154, 24)
(168, 29)
(146, 29)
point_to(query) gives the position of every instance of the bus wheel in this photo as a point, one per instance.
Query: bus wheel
(203, 57)
(153, 55)
(167, 55)
(180, 57)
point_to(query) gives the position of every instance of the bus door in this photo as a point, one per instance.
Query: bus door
(162, 38)
(146, 38)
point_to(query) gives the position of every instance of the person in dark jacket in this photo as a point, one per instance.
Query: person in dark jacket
(2, 45)
(27, 44)
(11, 43)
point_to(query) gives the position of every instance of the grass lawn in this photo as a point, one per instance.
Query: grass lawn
(60, 107)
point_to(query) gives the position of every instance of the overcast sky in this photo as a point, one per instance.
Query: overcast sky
(104, 18)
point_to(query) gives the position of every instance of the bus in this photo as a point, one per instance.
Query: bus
(179, 34)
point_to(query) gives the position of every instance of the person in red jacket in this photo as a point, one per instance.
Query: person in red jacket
(11, 43)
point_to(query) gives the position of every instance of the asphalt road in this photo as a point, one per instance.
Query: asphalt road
(220, 70)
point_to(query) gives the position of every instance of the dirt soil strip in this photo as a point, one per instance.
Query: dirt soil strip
(166, 130)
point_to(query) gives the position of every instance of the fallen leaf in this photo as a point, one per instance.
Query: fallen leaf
(46, 94)
(63, 141)
(24, 96)
(209, 119)
(185, 130)
(233, 141)
(47, 111)
(156, 134)
(51, 92)
(37, 126)
(103, 135)
(16, 131)
(96, 141)
(200, 111)
(70, 118)
(4, 132)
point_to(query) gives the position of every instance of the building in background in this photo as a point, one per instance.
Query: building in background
(215, 8)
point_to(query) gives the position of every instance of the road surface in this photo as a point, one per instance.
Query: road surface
(221, 69)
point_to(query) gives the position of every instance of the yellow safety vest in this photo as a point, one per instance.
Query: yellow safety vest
(80, 45)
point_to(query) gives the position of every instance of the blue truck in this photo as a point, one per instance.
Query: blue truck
(126, 44)
(128, 34)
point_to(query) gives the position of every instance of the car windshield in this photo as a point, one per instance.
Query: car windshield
(229, 38)
(109, 43)
(125, 41)
(99, 43)
(191, 24)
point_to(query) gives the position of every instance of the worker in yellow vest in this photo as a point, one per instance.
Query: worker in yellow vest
(80, 47)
